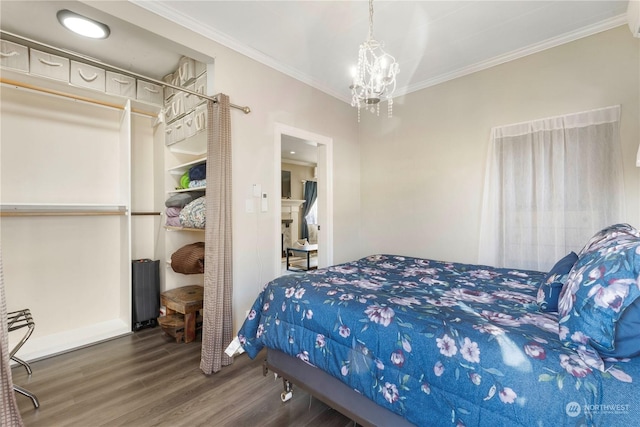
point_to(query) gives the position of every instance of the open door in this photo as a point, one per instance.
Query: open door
(325, 192)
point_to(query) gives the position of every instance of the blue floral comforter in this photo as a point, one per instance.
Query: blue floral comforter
(441, 344)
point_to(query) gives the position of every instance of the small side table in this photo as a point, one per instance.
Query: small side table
(309, 249)
(187, 301)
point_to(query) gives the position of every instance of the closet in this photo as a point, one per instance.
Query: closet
(77, 164)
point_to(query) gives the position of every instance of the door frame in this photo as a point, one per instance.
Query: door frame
(325, 186)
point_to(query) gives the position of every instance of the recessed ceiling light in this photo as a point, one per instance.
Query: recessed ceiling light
(292, 152)
(81, 25)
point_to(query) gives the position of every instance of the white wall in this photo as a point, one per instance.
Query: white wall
(422, 171)
(66, 269)
(273, 98)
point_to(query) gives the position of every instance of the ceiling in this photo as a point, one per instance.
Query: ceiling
(317, 41)
(433, 41)
(299, 151)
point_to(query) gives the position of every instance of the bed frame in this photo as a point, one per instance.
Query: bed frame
(329, 390)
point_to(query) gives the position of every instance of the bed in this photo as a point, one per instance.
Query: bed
(396, 340)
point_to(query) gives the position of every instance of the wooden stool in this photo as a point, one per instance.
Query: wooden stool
(186, 301)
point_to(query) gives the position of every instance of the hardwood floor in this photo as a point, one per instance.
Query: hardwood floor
(147, 379)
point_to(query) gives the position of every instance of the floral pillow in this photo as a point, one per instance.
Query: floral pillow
(549, 290)
(614, 232)
(597, 305)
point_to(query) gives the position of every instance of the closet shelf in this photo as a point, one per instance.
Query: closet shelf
(171, 228)
(186, 190)
(180, 169)
(195, 145)
(37, 209)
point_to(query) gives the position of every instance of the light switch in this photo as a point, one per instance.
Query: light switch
(248, 206)
(264, 203)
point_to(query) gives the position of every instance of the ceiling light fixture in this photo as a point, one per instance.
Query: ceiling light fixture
(374, 78)
(82, 25)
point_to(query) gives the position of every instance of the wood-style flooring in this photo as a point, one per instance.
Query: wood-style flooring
(147, 379)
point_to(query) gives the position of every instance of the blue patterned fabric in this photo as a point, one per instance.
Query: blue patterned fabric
(441, 344)
(600, 287)
(549, 291)
(194, 214)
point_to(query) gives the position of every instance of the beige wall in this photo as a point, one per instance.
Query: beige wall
(273, 98)
(422, 171)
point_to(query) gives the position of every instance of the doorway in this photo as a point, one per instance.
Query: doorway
(324, 178)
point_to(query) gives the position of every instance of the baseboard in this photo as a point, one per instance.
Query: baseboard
(37, 348)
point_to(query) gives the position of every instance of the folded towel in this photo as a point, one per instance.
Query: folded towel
(198, 172)
(198, 183)
(173, 221)
(173, 211)
(184, 180)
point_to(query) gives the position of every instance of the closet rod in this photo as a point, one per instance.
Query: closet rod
(60, 210)
(67, 213)
(88, 60)
(145, 213)
(80, 98)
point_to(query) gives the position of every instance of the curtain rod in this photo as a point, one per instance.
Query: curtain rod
(91, 61)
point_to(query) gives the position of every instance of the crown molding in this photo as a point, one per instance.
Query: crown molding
(183, 20)
(179, 18)
(599, 27)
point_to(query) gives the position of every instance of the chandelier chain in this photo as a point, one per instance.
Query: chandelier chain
(370, 19)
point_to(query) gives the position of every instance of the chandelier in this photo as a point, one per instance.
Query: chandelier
(374, 79)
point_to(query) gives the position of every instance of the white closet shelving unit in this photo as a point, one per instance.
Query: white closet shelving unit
(65, 206)
(186, 146)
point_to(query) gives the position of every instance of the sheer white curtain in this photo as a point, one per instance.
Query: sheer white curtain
(550, 184)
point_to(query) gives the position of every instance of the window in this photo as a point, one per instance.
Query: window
(550, 185)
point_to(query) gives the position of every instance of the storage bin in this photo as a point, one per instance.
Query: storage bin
(201, 85)
(178, 130)
(168, 91)
(168, 134)
(177, 105)
(189, 122)
(14, 56)
(84, 75)
(149, 92)
(119, 84)
(186, 71)
(201, 117)
(48, 65)
(190, 100)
